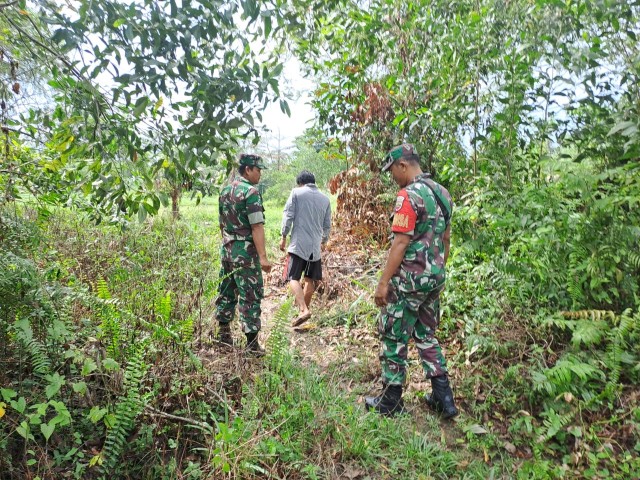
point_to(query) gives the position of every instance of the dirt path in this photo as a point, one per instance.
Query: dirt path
(346, 355)
(349, 358)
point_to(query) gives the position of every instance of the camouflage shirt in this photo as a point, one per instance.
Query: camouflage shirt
(418, 215)
(239, 206)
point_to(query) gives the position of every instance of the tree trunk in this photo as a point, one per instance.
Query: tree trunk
(175, 201)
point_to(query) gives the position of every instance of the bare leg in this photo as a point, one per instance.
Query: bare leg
(309, 288)
(298, 293)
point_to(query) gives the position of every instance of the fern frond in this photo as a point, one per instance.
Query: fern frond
(160, 332)
(560, 321)
(566, 373)
(33, 347)
(590, 314)
(102, 290)
(186, 330)
(617, 351)
(634, 260)
(576, 275)
(554, 423)
(551, 425)
(627, 323)
(589, 333)
(541, 383)
(163, 307)
(614, 356)
(585, 371)
(110, 321)
(278, 341)
(128, 408)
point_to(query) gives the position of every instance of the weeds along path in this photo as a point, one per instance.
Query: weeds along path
(341, 340)
(310, 407)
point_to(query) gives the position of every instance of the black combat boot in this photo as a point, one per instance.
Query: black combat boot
(389, 402)
(441, 398)
(224, 334)
(253, 347)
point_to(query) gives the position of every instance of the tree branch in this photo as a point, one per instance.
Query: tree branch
(57, 55)
(8, 4)
(26, 134)
(157, 413)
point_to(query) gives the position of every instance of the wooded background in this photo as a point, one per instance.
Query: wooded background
(113, 112)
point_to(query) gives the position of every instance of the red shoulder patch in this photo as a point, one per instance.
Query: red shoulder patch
(404, 219)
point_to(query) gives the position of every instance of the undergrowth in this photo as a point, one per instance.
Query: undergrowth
(88, 327)
(108, 369)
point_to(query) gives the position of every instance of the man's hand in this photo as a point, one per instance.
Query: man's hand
(265, 265)
(380, 295)
(283, 244)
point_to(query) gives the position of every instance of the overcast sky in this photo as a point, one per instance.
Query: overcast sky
(283, 127)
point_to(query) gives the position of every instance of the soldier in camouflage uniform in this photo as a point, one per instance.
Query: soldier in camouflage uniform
(243, 255)
(411, 283)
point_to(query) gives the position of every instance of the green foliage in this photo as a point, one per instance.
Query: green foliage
(36, 350)
(527, 111)
(129, 406)
(565, 244)
(278, 341)
(311, 154)
(536, 169)
(475, 294)
(105, 145)
(110, 321)
(163, 308)
(303, 420)
(541, 239)
(62, 345)
(545, 181)
(612, 339)
(587, 378)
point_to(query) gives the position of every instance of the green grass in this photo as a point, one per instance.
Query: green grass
(203, 218)
(321, 429)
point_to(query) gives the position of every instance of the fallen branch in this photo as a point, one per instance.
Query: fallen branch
(226, 404)
(157, 413)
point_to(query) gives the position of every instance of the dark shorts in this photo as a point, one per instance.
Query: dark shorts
(312, 270)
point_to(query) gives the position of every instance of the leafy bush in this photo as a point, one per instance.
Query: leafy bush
(82, 322)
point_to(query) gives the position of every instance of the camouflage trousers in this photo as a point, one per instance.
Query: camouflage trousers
(241, 286)
(414, 316)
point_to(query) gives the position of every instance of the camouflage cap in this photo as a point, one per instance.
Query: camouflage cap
(406, 151)
(252, 161)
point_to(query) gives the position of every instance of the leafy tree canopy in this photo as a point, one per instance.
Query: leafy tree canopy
(134, 88)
